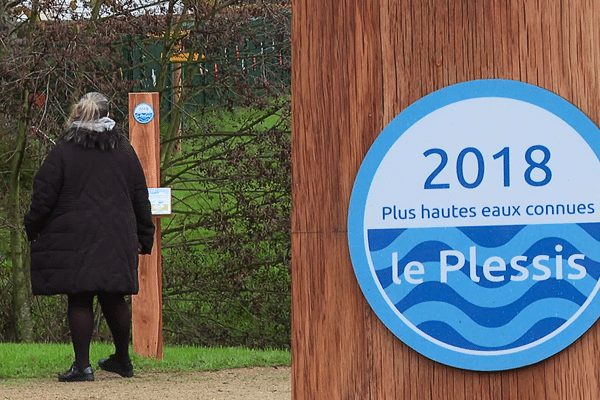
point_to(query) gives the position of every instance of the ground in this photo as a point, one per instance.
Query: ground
(244, 383)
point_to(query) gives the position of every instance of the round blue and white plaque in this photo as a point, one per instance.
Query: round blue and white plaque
(474, 225)
(143, 113)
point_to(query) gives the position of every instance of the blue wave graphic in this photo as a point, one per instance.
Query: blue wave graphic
(496, 336)
(488, 316)
(491, 236)
(445, 333)
(593, 229)
(382, 238)
(469, 310)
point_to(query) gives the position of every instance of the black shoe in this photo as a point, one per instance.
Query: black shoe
(112, 364)
(75, 374)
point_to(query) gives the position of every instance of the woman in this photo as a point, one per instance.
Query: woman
(89, 218)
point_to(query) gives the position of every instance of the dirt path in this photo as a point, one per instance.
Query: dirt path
(243, 383)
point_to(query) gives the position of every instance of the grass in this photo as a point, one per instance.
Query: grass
(47, 360)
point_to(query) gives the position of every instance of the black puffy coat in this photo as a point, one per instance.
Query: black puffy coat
(89, 212)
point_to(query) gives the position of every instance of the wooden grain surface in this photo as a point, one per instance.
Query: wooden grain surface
(356, 65)
(147, 305)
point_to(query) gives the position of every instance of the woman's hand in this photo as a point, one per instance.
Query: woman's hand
(139, 248)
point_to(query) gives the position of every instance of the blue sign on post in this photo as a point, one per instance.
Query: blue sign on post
(143, 113)
(474, 225)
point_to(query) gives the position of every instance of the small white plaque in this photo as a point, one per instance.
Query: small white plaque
(160, 199)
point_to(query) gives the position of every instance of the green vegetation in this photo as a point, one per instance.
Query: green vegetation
(47, 360)
(226, 250)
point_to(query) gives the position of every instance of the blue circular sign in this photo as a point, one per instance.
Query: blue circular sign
(474, 225)
(143, 113)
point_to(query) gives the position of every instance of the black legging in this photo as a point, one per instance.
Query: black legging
(81, 323)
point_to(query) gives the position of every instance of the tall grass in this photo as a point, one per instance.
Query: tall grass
(47, 360)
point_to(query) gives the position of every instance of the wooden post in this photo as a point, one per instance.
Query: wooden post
(356, 65)
(147, 305)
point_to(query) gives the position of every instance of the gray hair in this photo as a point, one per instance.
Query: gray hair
(91, 107)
